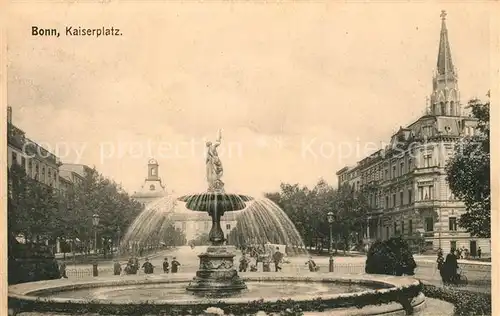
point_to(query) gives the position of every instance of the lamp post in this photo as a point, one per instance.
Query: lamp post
(118, 242)
(330, 218)
(95, 223)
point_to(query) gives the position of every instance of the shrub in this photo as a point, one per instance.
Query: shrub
(392, 256)
(466, 303)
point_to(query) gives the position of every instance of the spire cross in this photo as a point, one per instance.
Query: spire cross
(443, 15)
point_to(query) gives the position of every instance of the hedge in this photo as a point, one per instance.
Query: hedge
(466, 303)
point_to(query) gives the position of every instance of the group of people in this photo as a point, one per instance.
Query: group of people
(132, 266)
(277, 258)
(448, 268)
(463, 253)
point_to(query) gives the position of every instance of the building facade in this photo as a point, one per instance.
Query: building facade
(38, 162)
(406, 180)
(152, 187)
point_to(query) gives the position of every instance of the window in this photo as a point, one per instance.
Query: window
(401, 168)
(386, 201)
(420, 193)
(387, 231)
(386, 174)
(429, 224)
(394, 171)
(394, 200)
(228, 226)
(452, 223)
(23, 162)
(427, 160)
(429, 195)
(42, 178)
(410, 196)
(410, 227)
(153, 171)
(30, 167)
(14, 158)
(152, 187)
(395, 228)
(401, 198)
(409, 164)
(453, 245)
(402, 227)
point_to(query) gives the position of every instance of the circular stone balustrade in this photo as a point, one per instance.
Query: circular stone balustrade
(30, 296)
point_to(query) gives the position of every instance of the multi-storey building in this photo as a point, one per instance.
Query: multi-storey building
(38, 162)
(152, 188)
(409, 194)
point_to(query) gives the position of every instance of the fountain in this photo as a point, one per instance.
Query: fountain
(216, 274)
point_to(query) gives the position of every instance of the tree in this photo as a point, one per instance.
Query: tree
(468, 174)
(200, 240)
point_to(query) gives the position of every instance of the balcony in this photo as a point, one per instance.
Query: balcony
(426, 204)
(427, 170)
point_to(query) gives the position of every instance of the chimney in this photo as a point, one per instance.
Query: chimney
(9, 114)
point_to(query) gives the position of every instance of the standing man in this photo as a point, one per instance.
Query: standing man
(277, 258)
(62, 270)
(117, 268)
(479, 252)
(175, 265)
(166, 266)
(148, 267)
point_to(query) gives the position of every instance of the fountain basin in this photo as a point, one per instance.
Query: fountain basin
(49, 295)
(207, 202)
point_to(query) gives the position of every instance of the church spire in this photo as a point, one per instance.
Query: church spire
(445, 97)
(444, 62)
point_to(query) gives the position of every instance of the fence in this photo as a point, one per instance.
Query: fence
(81, 273)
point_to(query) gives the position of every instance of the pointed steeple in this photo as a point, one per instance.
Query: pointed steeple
(444, 62)
(445, 97)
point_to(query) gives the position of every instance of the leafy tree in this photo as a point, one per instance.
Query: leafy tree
(308, 209)
(200, 240)
(468, 174)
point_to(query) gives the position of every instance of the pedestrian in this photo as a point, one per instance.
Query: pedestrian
(166, 266)
(449, 269)
(440, 259)
(277, 258)
(175, 264)
(479, 252)
(62, 270)
(117, 268)
(243, 263)
(148, 267)
(313, 267)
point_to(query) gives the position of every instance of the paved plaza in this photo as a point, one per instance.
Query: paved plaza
(479, 278)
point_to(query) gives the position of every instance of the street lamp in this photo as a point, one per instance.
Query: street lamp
(118, 243)
(95, 223)
(330, 218)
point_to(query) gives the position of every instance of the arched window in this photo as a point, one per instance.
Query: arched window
(443, 108)
(452, 108)
(153, 171)
(434, 109)
(152, 187)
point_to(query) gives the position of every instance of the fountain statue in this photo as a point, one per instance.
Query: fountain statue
(216, 274)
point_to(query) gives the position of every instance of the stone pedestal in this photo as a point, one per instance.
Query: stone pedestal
(216, 275)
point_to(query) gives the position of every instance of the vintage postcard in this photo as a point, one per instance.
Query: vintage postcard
(250, 158)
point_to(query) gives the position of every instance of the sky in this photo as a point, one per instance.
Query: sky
(299, 90)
